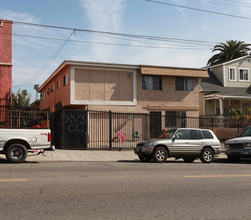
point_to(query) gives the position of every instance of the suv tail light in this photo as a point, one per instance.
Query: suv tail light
(49, 137)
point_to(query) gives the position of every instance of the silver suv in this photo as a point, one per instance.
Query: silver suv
(186, 143)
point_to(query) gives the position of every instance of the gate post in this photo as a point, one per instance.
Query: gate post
(110, 130)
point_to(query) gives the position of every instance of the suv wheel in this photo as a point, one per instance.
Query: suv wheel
(189, 159)
(160, 155)
(207, 155)
(145, 158)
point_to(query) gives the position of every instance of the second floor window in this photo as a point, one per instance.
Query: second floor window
(244, 74)
(232, 74)
(58, 84)
(184, 84)
(151, 82)
(65, 80)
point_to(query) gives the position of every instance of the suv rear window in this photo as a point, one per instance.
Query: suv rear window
(196, 134)
(207, 134)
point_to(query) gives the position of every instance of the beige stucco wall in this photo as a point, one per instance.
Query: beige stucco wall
(237, 65)
(117, 89)
(103, 85)
(167, 99)
(210, 107)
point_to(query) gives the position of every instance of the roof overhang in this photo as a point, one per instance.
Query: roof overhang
(173, 71)
(217, 96)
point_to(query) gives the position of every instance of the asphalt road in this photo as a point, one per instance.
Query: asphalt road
(125, 190)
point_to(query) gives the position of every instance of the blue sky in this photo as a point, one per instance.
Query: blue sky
(39, 50)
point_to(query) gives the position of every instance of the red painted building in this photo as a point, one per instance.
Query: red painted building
(5, 58)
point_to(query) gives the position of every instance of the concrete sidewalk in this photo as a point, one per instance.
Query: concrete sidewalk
(93, 155)
(85, 155)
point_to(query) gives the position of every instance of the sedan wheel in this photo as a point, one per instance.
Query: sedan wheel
(207, 155)
(160, 155)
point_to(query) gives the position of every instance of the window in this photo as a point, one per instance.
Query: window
(196, 134)
(58, 84)
(66, 80)
(182, 134)
(151, 82)
(232, 74)
(207, 134)
(175, 119)
(52, 88)
(184, 84)
(244, 74)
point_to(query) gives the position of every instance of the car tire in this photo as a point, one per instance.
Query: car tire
(233, 159)
(16, 153)
(160, 155)
(189, 159)
(145, 158)
(207, 155)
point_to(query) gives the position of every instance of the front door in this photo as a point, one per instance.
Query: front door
(155, 124)
(181, 143)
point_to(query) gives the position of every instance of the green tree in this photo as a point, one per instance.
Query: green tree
(230, 50)
(21, 99)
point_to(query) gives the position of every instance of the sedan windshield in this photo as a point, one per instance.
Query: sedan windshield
(245, 132)
(168, 134)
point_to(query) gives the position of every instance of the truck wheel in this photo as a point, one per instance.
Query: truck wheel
(233, 159)
(145, 158)
(16, 153)
(160, 155)
(207, 155)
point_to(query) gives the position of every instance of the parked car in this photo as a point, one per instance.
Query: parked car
(16, 143)
(240, 146)
(186, 143)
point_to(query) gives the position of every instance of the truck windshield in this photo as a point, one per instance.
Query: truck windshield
(245, 132)
(168, 134)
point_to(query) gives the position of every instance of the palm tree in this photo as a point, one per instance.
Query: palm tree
(230, 50)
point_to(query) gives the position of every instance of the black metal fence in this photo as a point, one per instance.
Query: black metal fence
(73, 129)
(69, 129)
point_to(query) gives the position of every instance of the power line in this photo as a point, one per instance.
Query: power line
(147, 37)
(46, 65)
(182, 46)
(197, 9)
(227, 3)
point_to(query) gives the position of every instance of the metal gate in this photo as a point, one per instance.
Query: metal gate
(155, 124)
(71, 129)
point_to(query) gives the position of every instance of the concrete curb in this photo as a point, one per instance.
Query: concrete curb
(93, 155)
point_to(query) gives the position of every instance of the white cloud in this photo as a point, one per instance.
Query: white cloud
(103, 16)
(18, 16)
(245, 11)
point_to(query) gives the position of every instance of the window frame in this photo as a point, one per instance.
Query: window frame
(229, 74)
(185, 80)
(65, 79)
(248, 75)
(152, 77)
(58, 84)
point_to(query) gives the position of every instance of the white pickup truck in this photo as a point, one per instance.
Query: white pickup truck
(240, 146)
(15, 143)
